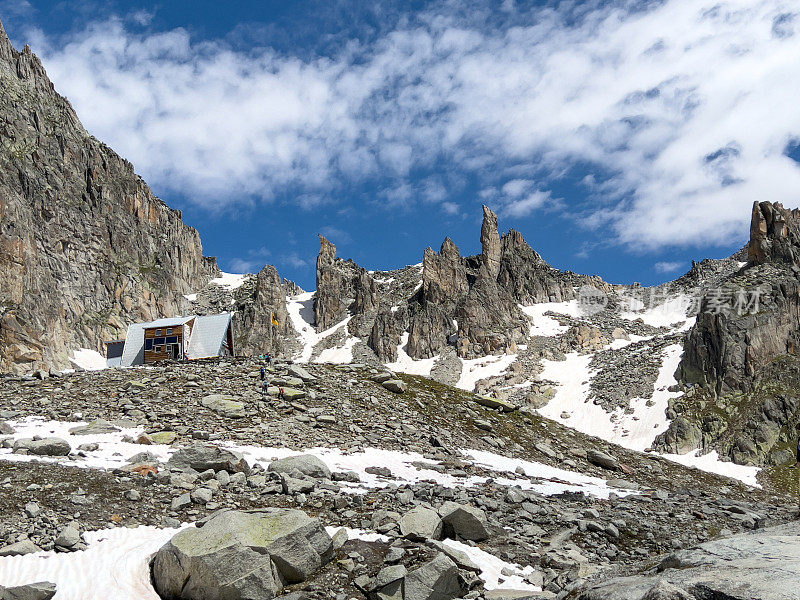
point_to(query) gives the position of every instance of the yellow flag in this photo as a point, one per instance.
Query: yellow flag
(274, 320)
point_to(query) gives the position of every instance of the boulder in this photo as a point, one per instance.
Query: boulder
(421, 524)
(94, 427)
(300, 373)
(381, 377)
(6, 429)
(496, 403)
(201, 457)
(44, 447)
(19, 548)
(601, 459)
(243, 555)
(464, 521)
(307, 464)
(163, 437)
(437, 579)
(42, 590)
(762, 564)
(394, 385)
(225, 406)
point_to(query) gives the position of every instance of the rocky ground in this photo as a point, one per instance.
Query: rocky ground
(165, 435)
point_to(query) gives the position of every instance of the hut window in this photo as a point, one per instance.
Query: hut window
(172, 340)
(148, 344)
(159, 348)
(158, 332)
(160, 341)
(169, 331)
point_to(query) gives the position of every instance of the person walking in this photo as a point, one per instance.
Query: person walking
(265, 387)
(263, 372)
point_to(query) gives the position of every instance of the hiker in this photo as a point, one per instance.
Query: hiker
(263, 373)
(281, 394)
(265, 386)
(269, 359)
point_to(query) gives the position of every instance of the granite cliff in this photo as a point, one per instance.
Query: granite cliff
(85, 246)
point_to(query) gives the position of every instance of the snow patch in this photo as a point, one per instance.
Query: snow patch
(301, 313)
(341, 355)
(89, 360)
(635, 431)
(662, 315)
(231, 281)
(191, 297)
(406, 364)
(548, 326)
(116, 564)
(472, 370)
(491, 569)
(711, 463)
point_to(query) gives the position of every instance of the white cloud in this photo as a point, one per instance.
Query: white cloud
(668, 266)
(683, 109)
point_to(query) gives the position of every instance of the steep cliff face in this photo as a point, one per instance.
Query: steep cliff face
(740, 359)
(85, 246)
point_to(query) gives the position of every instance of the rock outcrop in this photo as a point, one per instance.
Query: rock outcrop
(739, 360)
(469, 304)
(85, 246)
(759, 565)
(249, 555)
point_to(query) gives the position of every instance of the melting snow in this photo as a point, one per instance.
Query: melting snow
(492, 567)
(231, 280)
(301, 312)
(475, 369)
(115, 565)
(662, 315)
(406, 467)
(635, 431)
(90, 360)
(191, 297)
(548, 326)
(406, 364)
(340, 355)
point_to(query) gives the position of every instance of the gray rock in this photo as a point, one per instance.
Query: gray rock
(94, 427)
(225, 406)
(201, 457)
(42, 590)
(601, 459)
(421, 524)
(763, 564)
(307, 464)
(44, 447)
(395, 385)
(464, 521)
(68, 537)
(437, 579)
(300, 373)
(19, 548)
(250, 555)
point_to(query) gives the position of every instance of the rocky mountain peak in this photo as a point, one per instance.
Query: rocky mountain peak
(774, 234)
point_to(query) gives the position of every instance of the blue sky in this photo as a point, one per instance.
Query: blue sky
(622, 138)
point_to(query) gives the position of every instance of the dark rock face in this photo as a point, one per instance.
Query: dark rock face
(740, 356)
(774, 234)
(468, 303)
(85, 246)
(342, 288)
(727, 346)
(255, 331)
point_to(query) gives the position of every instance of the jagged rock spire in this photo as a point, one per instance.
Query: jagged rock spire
(490, 242)
(774, 234)
(6, 49)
